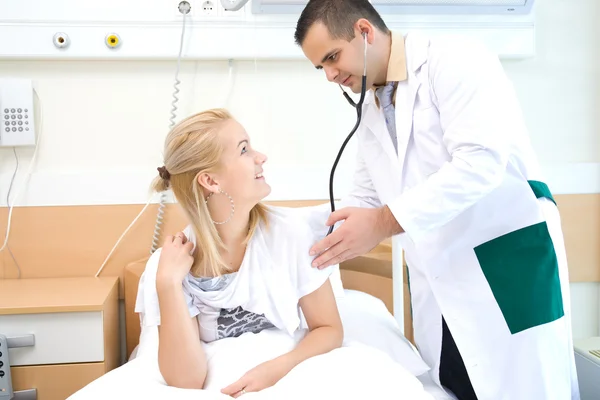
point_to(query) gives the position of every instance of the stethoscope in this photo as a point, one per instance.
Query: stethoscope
(358, 107)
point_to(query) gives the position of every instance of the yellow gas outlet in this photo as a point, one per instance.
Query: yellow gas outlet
(113, 40)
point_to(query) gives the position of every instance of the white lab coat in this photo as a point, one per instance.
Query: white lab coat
(478, 242)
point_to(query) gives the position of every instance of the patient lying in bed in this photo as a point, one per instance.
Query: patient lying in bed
(231, 306)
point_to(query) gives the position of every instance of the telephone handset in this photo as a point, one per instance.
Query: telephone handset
(17, 122)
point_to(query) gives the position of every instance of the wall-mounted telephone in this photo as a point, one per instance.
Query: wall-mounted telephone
(17, 122)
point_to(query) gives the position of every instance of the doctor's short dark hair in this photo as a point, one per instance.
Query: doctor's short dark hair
(339, 16)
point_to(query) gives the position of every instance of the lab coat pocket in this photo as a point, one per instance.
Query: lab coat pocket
(521, 268)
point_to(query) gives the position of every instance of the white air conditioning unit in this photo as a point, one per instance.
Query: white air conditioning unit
(493, 7)
(507, 27)
(587, 360)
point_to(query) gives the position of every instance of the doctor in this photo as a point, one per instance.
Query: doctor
(445, 163)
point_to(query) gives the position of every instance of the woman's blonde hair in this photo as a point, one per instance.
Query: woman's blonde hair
(192, 148)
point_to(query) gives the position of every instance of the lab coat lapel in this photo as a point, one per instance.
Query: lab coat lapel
(405, 101)
(386, 165)
(406, 93)
(376, 124)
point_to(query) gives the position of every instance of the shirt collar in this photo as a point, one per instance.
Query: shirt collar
(397, 69)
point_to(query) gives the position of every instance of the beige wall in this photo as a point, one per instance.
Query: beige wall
(104, 123)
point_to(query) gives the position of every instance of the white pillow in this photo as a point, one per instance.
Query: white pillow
(367, 320)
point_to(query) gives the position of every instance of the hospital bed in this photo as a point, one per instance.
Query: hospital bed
(366, 314)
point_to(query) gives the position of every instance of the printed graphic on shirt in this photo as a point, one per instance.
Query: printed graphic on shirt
(237, 321)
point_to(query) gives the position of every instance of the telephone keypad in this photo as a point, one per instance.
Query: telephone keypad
(14, 117)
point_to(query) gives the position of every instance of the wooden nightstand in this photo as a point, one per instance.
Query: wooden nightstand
(75, 323)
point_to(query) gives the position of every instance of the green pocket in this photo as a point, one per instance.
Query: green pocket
(522, 270)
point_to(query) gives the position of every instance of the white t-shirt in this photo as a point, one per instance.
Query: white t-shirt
(275, 274)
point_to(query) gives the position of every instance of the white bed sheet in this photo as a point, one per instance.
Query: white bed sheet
(375, 361)
(434, 390)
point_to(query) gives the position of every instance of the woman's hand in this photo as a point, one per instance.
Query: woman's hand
(175, 259)
(258, 378)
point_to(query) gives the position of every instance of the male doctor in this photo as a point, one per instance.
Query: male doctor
(445, 163)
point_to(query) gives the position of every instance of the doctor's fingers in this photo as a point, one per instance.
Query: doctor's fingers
(335, 255)
(328, 242)
(339, 215)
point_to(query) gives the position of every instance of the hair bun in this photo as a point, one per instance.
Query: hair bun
(162, 171)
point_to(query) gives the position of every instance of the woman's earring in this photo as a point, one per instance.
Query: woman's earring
(232, 206)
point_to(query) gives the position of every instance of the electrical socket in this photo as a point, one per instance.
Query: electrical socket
(207, 8)
(185, 5)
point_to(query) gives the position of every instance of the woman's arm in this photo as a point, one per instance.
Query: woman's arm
(324, 323)
(325, 334)
(181, 359)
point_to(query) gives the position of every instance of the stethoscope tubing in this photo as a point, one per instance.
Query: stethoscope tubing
(358, 107)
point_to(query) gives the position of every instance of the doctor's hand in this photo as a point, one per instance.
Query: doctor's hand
(175, 259)
(258, 378)
(362, 230)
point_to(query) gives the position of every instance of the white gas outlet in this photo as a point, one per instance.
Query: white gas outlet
(208, 8)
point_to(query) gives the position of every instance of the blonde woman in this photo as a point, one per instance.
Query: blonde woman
(239, 266)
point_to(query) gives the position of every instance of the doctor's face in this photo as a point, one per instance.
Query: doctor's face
(342, 60)
(240, 172)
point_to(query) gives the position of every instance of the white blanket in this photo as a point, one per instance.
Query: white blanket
(375, 362)
(353, 372)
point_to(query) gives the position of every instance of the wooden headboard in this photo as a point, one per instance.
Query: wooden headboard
(63, 241)
(371, 273)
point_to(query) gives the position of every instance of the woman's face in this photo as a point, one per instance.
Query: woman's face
(240, 173)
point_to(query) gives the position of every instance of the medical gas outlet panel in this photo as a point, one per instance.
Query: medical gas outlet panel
(231, 29)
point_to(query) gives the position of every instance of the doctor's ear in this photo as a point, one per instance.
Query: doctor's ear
(208, 182)
(364, 28)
